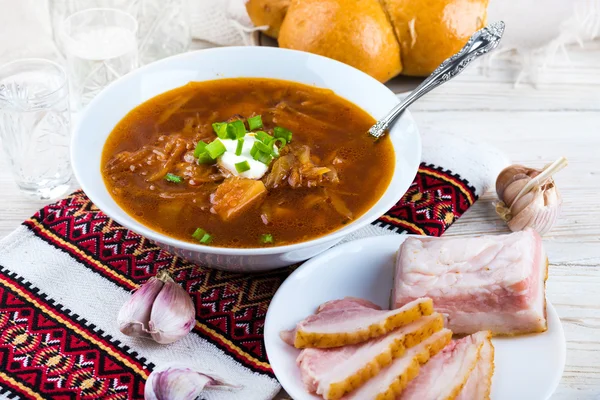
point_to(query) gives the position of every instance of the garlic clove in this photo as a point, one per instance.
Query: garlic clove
(177, 382)
(538, 218)
(512, 190)
(511, 174)
(173, 314)
(534, 198)
(134, 315)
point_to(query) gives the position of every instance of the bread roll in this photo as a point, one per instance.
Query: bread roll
(268, 12)
(431, 31)
(356, 32)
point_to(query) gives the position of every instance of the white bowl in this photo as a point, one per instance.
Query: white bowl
(114, 102)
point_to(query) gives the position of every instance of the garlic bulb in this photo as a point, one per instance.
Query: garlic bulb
(529, 197)
(160, 309)
(177, 382)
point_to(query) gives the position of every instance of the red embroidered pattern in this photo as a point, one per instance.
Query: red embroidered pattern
(433, 202)
(41, 354)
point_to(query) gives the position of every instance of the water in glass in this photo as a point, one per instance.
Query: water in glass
(35, 126)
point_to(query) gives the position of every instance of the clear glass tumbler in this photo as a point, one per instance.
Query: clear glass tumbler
(100, 46)
(61, 9)
(164, 28)
(35, 126)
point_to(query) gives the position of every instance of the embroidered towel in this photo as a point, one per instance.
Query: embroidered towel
(65, 273)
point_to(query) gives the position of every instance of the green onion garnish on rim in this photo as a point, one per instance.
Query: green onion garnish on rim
(220, 129)
(215, 148)
(242, 166)
(173, 178)
(202, 236)
(255, 122)
(266, 238)
(280, 132)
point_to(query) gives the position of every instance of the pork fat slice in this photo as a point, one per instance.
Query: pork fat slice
(332, 373)
(446, 374)
(479, 384)
(350, 321)
(494, 283)
(393, 379)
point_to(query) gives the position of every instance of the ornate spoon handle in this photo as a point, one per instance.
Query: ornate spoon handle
(480, 43)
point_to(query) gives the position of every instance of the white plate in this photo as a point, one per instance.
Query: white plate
(527, 367)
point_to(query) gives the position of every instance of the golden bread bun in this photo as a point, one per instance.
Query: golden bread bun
(268, 12)
(431, 31)
(356, 32)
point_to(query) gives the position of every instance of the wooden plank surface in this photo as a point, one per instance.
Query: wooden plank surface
(533, 126)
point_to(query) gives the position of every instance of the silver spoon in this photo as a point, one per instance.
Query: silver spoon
(480, 43)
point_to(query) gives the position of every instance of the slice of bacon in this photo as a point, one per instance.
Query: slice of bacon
(393, 379)
(447, 373)
(479, 384)
(332, 373)
(345, 322)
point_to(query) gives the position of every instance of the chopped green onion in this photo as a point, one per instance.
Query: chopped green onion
(255, 122)
(220, 129)
(199, 149)
(263, 147)
(280, 132)
(215, 148)
(259, 155)
(254, 151)
(201, 154)
(205, 158)
(202, 236)
(236, 130)
(275, 152)
(242, 166)
(263, 158)
(266, 238)
(198, 233)
(240, 146)
(280, 140)
(263, 136)
(173, 178)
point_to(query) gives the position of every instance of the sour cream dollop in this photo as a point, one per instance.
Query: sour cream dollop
(228, 159)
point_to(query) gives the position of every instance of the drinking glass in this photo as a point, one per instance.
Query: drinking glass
(35, 124)
(164, 28)
(100, 46)
(61, 9)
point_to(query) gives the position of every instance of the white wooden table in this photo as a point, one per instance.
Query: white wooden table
(533, 126)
